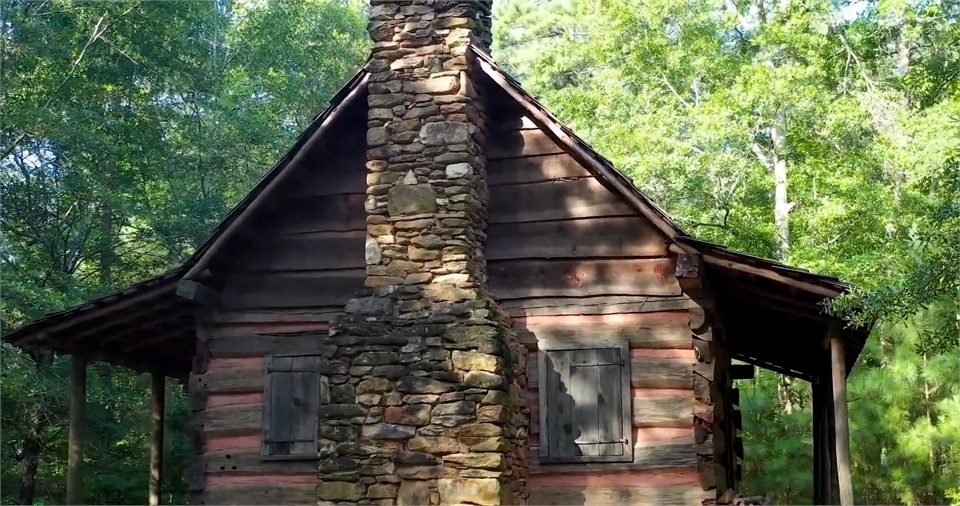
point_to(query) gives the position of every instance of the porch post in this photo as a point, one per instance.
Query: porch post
(157, 396)
(78, 400)
(838, 373)
(824, 461)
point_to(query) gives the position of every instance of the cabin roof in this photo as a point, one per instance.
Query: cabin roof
(148, 327)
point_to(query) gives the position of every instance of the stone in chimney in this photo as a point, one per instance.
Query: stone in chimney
(425, 391)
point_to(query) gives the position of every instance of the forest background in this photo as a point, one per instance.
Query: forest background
(821, 133)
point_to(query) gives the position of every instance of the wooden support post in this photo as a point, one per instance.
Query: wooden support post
(822, 463)
(78, 400)
(838, 374)
(157, 396)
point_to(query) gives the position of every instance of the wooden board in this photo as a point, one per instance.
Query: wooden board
(244, 461)
(602, 496)
(231, 420)
(581, 238)
(261, 494)
(331, 213)
(554, 200)
(231, 381)
(547, 306)
(293, 315)
(339, 174)
(638, 337)
(644, 373)
(515, 279)
(662, 412)
(248, 344)
(517, 143)
(304, 252)
(293, 290)
(646, 456)
(534, 169)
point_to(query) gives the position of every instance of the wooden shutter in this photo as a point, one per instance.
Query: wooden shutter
(585, 404)
(291, 406)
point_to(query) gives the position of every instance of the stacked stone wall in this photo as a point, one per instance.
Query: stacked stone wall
(425, 406)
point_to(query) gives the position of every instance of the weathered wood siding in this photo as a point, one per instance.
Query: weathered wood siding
(286, 278)
(570, 260)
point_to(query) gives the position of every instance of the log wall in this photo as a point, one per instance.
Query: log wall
(570, 260)
(286, 278)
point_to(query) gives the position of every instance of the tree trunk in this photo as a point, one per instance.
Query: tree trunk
(781, 206)
(33, 444)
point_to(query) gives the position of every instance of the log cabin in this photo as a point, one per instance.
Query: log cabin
(441, 295)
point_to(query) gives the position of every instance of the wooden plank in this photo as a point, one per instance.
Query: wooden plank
(78, 402)
(518, 143)
(663, 412)
(250, 461)
(547, 306)
(291, 315)
(514, 279)
(340, 173)
(291, 290)
(602, 496)
(306, 403)
(647, 373)
(613, 403)
(660, 373)
(261, 494)
(534, 169)
(231, 381)
(554, 200)
(646, 457)
(584, 388)
(559, 406)
(658, 337)
(625, 236)
(304, 252)
(157, 398)
(231, 420)
(331, 213)
(247, 344)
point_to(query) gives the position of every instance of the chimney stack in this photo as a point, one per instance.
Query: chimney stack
(425, 393)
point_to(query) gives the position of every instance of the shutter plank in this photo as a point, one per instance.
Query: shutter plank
(609, 402)
(306, 401)
(584, 384)
(280, 436)
(560, 405)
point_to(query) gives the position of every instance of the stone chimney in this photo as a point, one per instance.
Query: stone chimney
(425, 403)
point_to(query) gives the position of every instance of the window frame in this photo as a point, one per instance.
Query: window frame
(626, 402)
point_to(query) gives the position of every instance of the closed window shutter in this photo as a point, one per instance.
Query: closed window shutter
(585, 405)
(291, 406)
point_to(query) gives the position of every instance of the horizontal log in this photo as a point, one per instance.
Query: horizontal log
(231, 420)
(344, 172)
(572, 278)
(645, 456)
(309, 314)
(626, 236)
(549, 306)
(641, 330)
(329, 213)
(304, 252)
(517, 143)
(534, 169)
(651, 373)
(708, 473)
(663, 412)
(261, 494)
(246, 461)
(653, 478)
(601, 496)
(659, 373)
(230, 381)
(554, 200)
(702, 389)
(291, 290)
(243, 344)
